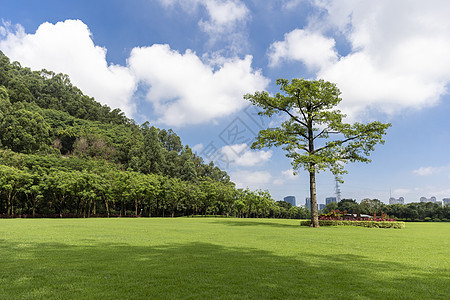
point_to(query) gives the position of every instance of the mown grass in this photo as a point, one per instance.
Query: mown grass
(197, 258)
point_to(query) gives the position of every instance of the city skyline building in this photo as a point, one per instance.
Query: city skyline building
(400, 200)
(329, 200)
(308, 203)
(425, 199)
(290, 199)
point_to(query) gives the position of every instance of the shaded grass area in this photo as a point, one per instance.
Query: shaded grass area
(219, 258)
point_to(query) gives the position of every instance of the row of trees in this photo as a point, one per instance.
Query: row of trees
(53, 186)
(410, 211)
(56, 192)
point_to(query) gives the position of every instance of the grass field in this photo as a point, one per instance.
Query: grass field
(200, 258)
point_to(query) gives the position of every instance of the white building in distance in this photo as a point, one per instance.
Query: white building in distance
(445, 201)
(400, 200)
(424, 199)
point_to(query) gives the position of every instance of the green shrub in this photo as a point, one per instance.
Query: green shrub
(427, 219)
(368, 224)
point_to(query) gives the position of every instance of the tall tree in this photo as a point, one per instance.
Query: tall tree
(314, 134)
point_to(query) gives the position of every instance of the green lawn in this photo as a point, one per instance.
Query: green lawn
(201, 258)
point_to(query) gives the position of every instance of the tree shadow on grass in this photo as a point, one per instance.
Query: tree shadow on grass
(203, 270)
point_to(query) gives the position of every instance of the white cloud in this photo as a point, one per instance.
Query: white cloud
(251, 180)
(278, 181)
(289, 174)
(291, 4)
(315, 50)
(226, 20)
(427, 171)
(184, 90)
(198, 147)
(240, 155)
(67, 47)
(398, 57)
(223, 14)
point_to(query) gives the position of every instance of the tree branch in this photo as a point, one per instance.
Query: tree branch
(340, 142)
(290, 114)
(317, 136)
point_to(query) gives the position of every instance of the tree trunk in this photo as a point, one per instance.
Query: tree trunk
(8, 212)
(89, 208)
(107, 207)
(136, 206)
(313, 197)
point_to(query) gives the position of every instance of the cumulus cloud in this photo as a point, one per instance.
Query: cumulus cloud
(182, 88)
(398, 57)
(427, 171)
(197, 147)
(241, 155)
(289, 174)
(67, 47)
(285, 175)
(185, 90)
(226, 19)
(315, 50)
(251, 180)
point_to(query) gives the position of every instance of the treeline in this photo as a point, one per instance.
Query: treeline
(32, 185)
(410, 212)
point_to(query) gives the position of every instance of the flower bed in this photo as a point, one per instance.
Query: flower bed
(369, 224)
(339, 218)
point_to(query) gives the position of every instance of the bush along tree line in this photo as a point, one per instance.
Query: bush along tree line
(405, 212)
(343, 218)
(64, 154)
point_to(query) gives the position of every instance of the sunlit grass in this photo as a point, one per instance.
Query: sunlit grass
(220, 258)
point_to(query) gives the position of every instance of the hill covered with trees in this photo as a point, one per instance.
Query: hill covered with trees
(64, 154)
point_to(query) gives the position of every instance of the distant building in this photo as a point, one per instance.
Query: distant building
(290, 199)
(329, 200)
(321, 206)
(308, 204)
(400, 200)
(424, 199)
(445, 201)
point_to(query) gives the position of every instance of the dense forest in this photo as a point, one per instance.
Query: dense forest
(64, 154)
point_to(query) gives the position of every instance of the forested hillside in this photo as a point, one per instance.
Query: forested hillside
(64, 154)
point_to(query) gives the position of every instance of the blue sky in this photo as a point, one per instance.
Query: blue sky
(185, 64)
